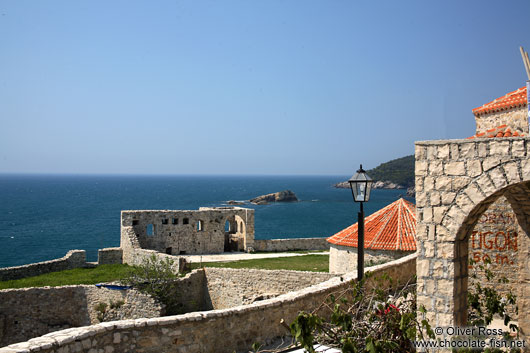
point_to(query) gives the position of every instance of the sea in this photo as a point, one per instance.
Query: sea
(44, 216)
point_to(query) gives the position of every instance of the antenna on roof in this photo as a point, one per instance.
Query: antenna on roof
(525, 61)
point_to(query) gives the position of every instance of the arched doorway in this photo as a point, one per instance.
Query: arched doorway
(456, 183)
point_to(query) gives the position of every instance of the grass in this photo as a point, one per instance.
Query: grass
(314, 263)
(102, 273)
(109, 273)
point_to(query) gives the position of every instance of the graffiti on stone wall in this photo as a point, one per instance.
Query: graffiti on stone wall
(494, 238)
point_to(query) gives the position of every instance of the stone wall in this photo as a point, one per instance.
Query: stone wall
(515, 118)
(224, 330)
(291, 244)
(456, 182)
(228, 287)
(72, 259)
(206, 231)
(343, 259)
(32, 312)
(110, 256)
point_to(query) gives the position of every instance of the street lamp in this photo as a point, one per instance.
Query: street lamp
(361, 185)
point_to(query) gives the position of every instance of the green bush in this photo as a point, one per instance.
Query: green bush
(157, 278)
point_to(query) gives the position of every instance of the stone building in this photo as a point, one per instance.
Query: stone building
(183, 232)
(389, 234)
(505, 116)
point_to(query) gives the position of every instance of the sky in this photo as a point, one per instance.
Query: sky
(246, 87)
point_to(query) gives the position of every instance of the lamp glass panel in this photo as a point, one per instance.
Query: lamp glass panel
(361, 191)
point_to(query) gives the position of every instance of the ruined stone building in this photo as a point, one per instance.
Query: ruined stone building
(187, 232)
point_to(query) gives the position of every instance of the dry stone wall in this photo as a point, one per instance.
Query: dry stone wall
(228, 287)
(109, 256)
(291, 244)
(73, 259)
(223, 330)
(32, 312)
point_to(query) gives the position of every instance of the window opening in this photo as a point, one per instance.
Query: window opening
(164, 221)
(175, 221)
(200, 226)
(186, 221)
(150, 229)
(135, 222)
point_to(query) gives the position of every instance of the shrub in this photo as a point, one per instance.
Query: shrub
(157, 278)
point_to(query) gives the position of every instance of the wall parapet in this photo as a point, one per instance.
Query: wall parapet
(223, 330)
(72, 259)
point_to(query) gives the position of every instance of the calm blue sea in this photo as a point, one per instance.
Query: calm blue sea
(44, 216)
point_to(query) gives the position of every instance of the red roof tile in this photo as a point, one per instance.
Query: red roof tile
(391, 228)
(499, 131)
(513, 99)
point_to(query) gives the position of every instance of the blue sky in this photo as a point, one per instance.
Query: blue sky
(246, 87)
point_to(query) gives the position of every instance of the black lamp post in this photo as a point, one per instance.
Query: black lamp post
(361, 185)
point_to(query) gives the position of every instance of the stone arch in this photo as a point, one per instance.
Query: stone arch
(456, 181)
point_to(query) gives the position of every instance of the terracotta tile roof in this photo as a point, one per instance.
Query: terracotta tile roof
(499, 131)
(391, 228)
(513, 99)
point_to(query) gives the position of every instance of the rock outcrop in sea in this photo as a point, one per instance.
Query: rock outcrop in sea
(282, 196)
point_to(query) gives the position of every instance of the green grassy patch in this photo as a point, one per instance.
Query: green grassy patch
(101, 273)
(314, 263)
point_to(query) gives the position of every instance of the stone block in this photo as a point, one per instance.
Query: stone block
(431, 152)
(525, 168)
(443, 183)
(467, 150)
(421, 168)
(443, 152)
(448, 197)
(474, 168)
(445, 250)
(465, 203)
(438, 269)
(486, 185)
(420, 152)
(482, 149)
(518, 149)
(490, 162)
(445, 288)
(436, 168)
(435, 198)
(421, 199)
(498, 179)
(512, 172)
(438, 213)
(455, 153)
(455, 168)
(460, 183)
(428, 184)
(427, 214)
(418, 183)
(474, 193)
(500, 148)
(428, 248)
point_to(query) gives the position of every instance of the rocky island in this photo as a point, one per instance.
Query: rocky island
(282, 196)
